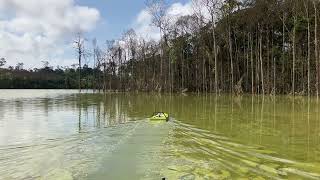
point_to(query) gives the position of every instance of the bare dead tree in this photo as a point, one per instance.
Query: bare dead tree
(212, 7)
(131, 43)
(95, 54)
(294, 53)
(158, 9)
(316, 47)
(306, 4)
(79, 46)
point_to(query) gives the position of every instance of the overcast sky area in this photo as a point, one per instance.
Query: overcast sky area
(32, 31)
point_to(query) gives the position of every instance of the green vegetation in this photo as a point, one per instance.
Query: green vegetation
(252, 46)
(44, 78)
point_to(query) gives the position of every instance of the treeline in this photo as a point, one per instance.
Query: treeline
(248, 46)
(44, 78)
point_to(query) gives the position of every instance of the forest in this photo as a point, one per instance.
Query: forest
(225, 46)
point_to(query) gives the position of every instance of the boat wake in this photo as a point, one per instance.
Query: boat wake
(193, 153)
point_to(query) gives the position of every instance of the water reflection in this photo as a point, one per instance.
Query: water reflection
(210, 136)
(273, 138)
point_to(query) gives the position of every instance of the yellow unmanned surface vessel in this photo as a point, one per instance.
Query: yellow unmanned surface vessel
(159, 116)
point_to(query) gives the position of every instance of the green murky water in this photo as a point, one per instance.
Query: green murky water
(59, 134)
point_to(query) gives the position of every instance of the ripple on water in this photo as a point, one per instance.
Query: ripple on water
(89, 155)
(197, 153)
(221, 143)
(74, 155)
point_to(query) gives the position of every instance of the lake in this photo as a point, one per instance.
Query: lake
(63, 134)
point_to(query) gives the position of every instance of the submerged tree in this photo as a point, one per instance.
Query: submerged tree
(157, 9)
(79, 46)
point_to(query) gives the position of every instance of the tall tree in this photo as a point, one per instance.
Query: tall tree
(19, 66)
(294, 51)
(2, 62)
(79, 46)
(212, 7)
(316, 50)
(261, 62)
(95, 54)
(158, 9)
(306, 4)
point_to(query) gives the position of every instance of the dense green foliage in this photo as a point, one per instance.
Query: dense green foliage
(44, 78)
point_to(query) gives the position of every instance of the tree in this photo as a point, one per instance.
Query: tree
(294, 52)
(19, 66)
(130, 39)
(157, 9)
(46, 66)
(212, 7)
(316, 50)
(95, 54)
(108, 60)
(227, 10)
(2, 62)
(79, 46)
(306, 4)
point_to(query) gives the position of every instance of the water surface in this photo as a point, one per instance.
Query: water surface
(61, 134)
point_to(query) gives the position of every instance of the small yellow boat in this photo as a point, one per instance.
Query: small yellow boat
(159, 116)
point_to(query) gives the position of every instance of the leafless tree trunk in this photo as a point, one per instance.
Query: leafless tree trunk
(95, 54)
(79, 43)
(119, 55)
(157, 9)
(216, 87)
(261, 64)
(252, 71)
(268, 64)
(231, 57)
(212, 6)
(105, 78)
(257, 64)
(247, 51)
(204, 84)
(283, 41)
(274, 89)
(294, 54)
(309, 53)
(316, 47)
(306, 4)
(182, 69)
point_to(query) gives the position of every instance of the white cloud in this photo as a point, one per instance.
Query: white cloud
(177, 10)
(143, 27)
(36, 30)
(143, 23)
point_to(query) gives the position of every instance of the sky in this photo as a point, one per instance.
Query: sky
(32, 31)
